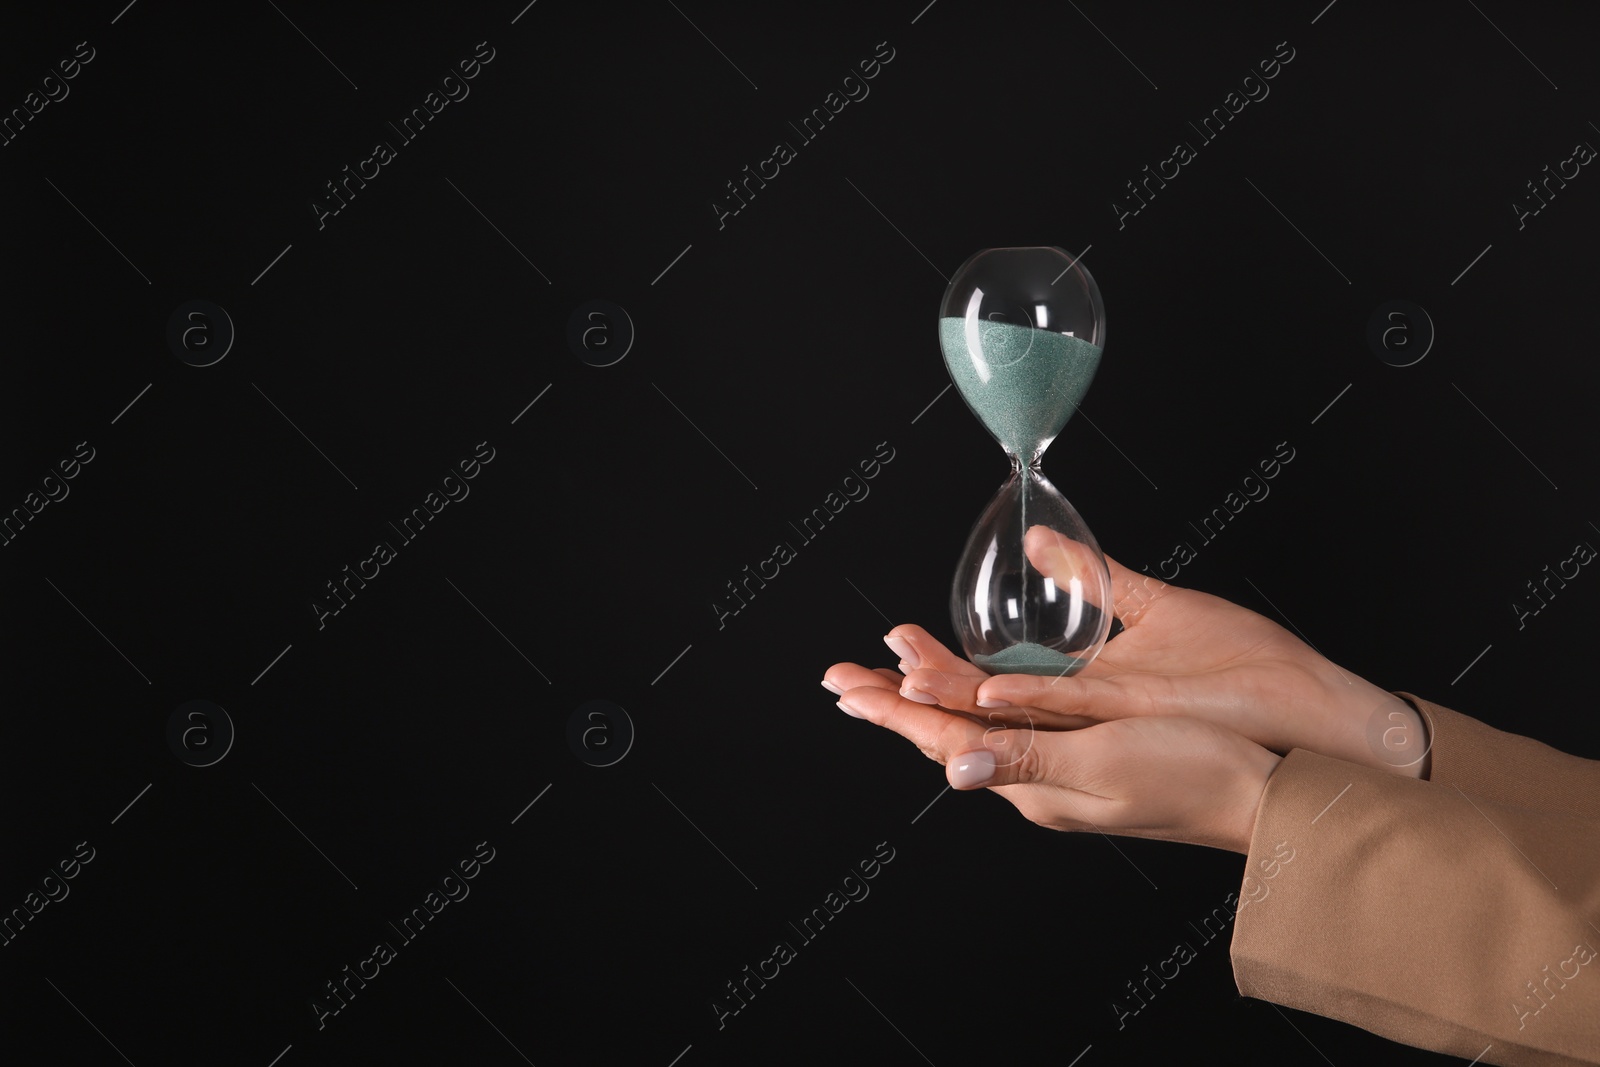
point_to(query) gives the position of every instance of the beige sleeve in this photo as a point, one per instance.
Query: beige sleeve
(1507, 768)
(1450, 921)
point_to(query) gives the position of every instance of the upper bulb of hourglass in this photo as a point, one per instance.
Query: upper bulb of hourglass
(1022, 330)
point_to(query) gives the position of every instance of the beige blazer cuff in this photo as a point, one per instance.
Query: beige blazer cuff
(1508, 768)
(1439, 919)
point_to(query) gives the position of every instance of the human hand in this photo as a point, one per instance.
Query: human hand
(1163, 777)
(1181, 653)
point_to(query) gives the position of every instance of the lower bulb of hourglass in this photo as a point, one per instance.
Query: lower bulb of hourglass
(1032, 593)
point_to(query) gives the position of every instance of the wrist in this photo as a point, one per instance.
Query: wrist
(1254, 775)
(1397, 738)
(1374, 728)
(1420, 766)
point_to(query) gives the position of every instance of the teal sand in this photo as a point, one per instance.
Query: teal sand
(1022, 382)
(1030, 658)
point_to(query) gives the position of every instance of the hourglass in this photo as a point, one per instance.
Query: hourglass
(1022, 330)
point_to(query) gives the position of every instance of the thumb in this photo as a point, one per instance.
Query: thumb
(1078, 571)
(1062, 560)
(1133, 592)
(1007, 756)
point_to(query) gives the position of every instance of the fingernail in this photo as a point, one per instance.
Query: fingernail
(902, 648)
(994, 703)
(971, 769)
(919, 696)
(830, 687)
(848, 710)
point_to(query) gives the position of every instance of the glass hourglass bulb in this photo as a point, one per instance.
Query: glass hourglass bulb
(1022, 330)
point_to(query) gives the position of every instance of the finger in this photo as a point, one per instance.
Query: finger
(963, 693)
(934, 731)
(916, 648)
(934, 674)
(841, 677)
(930, 686)
(986, 755)
(1081, 697)
(1024, 716)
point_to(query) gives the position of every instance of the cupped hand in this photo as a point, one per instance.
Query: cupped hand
(1181, 653)
(1169, 778)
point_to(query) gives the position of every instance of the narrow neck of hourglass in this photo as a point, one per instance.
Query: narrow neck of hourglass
(1031, 463)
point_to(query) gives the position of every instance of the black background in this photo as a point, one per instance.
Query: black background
(426, 715)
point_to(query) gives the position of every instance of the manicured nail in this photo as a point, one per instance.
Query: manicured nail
(830, 687)
(848, 710)
(972, 769)
(919, 696)
(994, 703)
(902, 648)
